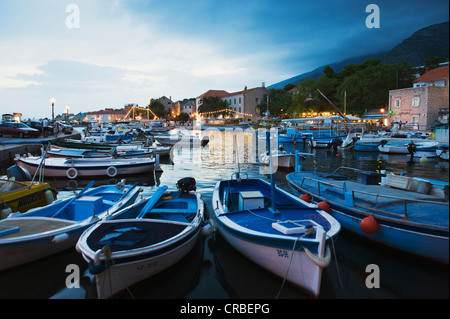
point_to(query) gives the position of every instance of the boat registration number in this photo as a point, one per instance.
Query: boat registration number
(15, 251)
(283, 253)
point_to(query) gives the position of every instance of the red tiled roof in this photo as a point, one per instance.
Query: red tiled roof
(214, 93)
(221, 93)
(108, 111)
(439, 73)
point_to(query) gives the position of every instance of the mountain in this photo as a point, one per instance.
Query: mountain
(427, 42)
(337, 67)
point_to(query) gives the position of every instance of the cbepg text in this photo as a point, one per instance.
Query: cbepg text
(246, 308)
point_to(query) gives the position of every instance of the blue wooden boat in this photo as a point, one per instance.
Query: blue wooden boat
(366, 147)
(275, 230)
(45, 231)
(144, 239)
(403, 213)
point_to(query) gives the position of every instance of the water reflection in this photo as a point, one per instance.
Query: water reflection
(217, 271)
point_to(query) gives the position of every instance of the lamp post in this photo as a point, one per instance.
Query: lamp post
(52, 100)
(67, 113)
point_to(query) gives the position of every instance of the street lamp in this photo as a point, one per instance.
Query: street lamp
(52, 100)
(67, 113)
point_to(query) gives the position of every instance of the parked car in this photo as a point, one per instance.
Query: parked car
(18, 129)
(38, 126)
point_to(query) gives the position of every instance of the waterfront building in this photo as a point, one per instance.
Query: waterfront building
(419, 107)
(185, 106)
(244, 104)
(107, 115)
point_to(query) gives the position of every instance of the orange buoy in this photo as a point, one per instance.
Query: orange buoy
(306, 198)
(369, 225)
(324, 206)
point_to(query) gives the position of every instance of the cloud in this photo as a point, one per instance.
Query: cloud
(131, 51)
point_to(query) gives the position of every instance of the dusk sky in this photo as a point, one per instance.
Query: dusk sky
(129, 51)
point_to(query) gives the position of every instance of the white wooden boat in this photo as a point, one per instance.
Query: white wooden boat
(392, 147)
(143, 239)
(45, 231)
(275, 230)
(87, 167)
(181, 139)
(280, 159)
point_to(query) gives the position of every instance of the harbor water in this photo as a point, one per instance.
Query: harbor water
(214, 270)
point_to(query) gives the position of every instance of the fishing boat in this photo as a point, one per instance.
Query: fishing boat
(442, 152)
(55, 151)
(71, 143)
(125, 151)
(23, 195)
(275, 229)
(423, 148)
(327, 142)
(143, 239)
(281, 159)
(182, 139)
(142, 150)
(402, 213)
(45, 231)
(73, 168)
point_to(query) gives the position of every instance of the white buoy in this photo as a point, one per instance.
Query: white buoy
(4, 213)
(49, 197)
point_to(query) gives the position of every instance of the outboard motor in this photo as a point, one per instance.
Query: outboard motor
(185, 185)
(412, 148)
(20, 174)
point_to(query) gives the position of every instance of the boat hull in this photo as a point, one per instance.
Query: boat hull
(256, 234)
(120, 276)
(40, 234)
(394, 231)
(294, 265)
(80, 169)
(22, 252)
(139, 242)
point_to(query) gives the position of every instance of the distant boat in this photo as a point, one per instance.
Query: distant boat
(408, 148)
(223, 124)
(125, 151)
(182, 140)
(281, 159)
(87, 167)
(71, 143)
(45, 231)
(289, 238)
(405, 214)
(442, 152)
(143, 239)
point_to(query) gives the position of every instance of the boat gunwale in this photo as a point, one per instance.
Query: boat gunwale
(390, 222)
(188, 231)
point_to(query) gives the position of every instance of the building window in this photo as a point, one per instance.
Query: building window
(397, 102)
(239, 100)
(415, 101)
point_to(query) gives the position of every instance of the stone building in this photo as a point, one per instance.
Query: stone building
(244, 104)
(419, 107)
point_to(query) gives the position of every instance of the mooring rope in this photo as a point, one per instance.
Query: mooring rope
(107, 252)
